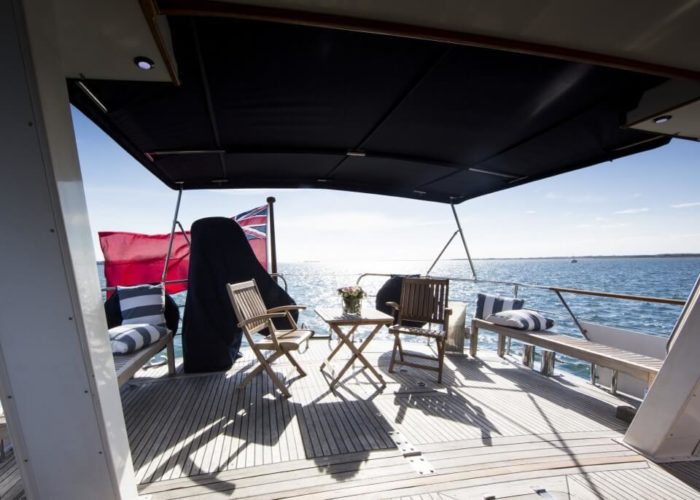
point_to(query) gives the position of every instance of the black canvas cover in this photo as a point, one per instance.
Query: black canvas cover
(220, 254)
(266, 105)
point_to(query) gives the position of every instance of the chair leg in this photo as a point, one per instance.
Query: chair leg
(295, 363)
(398, 340)
(276, 381)
(393, 353)
(251, 376)
(265, 365)
(440, 343)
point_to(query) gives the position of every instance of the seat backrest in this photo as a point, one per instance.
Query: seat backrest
(247, 303)
(424, 299)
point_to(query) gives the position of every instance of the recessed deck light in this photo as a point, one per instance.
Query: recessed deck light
(662, 119)
(144, 63)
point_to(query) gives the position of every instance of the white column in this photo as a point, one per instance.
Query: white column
(57, 379)
(667, 424)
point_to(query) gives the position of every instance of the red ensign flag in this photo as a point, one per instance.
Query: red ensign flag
(136, 259)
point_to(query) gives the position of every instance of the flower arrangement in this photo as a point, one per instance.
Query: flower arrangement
(355, 292)
(352, 298)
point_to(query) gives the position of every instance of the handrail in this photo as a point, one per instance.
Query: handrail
(576, 291)
(612, 295)
(184, 280)
(169, 282)
(279, 275)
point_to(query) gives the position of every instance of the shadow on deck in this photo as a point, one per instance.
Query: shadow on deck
(491, 427)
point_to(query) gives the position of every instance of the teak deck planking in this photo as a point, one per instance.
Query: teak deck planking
(488, 428)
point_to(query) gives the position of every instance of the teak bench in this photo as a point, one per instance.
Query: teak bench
(128, 364)
(636, 365)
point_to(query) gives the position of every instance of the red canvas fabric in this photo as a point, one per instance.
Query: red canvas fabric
(135, 259)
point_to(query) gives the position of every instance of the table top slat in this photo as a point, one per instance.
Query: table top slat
(368, 316)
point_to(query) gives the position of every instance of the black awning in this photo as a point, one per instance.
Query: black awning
(273, 105)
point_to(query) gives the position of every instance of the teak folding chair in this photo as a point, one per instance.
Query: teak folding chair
(423, 300)
(253, 317)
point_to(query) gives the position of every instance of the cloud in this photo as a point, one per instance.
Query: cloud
(632, 211)
(686, 205)
(530, 212)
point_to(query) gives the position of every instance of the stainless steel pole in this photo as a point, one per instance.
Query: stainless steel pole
(441, 252)
(164, 276)
(464, 241)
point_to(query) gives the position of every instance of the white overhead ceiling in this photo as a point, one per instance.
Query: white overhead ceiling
(100, 38)
(654, 31)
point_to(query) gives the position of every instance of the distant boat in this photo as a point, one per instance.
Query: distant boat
(574, 261)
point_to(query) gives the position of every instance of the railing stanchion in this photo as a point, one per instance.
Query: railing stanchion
(573, 316)
(516, 288)
(164, 276)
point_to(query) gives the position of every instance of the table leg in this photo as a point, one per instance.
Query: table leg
(357, 354)
(340, 344)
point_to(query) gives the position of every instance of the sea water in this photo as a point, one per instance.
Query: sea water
(315, 284)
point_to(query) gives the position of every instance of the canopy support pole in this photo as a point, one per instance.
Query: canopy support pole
(441, 252)
(164, 276)
(464, 241)
(271, 236)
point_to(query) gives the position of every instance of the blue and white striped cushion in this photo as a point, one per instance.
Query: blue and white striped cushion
(142, 304)
(126, 339)
(523, 319)
(486, 305)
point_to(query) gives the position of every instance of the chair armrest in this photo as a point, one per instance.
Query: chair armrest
(285, 308)
(262, 317)
(393, 305)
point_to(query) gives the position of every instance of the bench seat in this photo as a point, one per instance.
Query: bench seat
(127, 365)
(636, 365)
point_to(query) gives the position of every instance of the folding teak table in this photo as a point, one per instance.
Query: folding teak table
(345, 325)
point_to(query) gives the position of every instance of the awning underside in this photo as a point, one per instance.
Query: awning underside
(266, 105)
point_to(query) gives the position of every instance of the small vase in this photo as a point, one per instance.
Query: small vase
(352, 305)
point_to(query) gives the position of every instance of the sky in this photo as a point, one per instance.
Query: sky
(643, 204)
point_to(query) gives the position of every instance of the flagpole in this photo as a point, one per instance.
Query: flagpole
(172, 237)
(271, 235)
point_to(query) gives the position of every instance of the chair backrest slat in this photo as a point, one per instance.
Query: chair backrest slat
(247, 303)
(424, 299)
